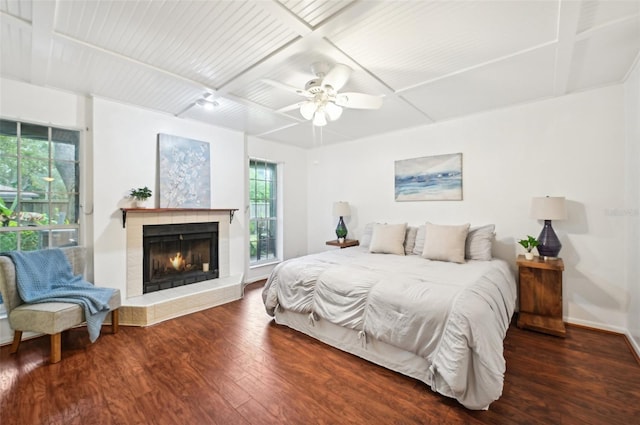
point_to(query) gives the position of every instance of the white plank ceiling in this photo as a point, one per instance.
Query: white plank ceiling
(431, 60)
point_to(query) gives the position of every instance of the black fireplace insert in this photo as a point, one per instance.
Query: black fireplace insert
(179, 254)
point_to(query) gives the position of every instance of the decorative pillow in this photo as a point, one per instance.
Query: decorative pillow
(365, 238)
(479, 241)
(410, 240)
(445, 243)
(419, 246)
(388, 238)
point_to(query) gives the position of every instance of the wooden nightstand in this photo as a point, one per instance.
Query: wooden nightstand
(540, 283)
(346, 244)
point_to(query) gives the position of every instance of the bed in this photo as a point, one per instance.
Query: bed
(441, 322)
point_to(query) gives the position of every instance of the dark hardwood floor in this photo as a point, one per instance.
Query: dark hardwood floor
(233, 365)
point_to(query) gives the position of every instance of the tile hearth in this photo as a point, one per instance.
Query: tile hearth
(148, 309)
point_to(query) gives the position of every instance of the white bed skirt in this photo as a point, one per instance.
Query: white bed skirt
(349, 340)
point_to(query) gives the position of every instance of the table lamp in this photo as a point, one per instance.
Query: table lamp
(548, 208)
(341, 209)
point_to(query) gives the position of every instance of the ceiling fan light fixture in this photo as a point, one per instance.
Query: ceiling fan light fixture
(320, 118)
(333, 111)
(323, 101)
(307, 110)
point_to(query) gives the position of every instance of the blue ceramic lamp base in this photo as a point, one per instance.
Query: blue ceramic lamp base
(341, 230)
(548, 243)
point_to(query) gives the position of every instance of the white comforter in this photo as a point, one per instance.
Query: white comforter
(454, 315)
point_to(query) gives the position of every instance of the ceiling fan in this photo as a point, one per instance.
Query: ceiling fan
(323, 101)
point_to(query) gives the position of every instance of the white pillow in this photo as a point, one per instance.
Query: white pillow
(388, 238)
(479, 241)
(365, 239)
(410, 240)
(419, 246)
(445, 243)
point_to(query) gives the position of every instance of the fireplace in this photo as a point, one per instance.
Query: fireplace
(178, 254)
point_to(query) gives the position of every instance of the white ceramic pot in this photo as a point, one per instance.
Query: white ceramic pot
(528, 255)
(141, 203)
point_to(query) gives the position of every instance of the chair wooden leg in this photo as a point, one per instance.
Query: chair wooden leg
(115, 321)
(56, 348)
(17, 337)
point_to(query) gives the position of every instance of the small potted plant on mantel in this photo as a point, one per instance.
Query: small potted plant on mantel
(529, 244)
(140, 196)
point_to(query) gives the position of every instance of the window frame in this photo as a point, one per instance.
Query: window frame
(73, 196)
(270, 209)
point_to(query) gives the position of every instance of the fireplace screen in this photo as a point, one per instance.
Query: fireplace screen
(179, 254)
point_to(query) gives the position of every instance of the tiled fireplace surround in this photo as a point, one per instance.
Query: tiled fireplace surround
(140, 309)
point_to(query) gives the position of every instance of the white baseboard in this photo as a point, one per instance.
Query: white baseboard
(597, 325)
(255, 279)
(634, 344)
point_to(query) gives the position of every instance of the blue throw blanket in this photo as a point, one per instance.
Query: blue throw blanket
(45, 276)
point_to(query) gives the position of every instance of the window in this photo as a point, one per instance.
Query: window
(39, 181)
(263, 211)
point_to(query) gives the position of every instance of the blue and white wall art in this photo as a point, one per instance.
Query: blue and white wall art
(185, 172)
(430, 178)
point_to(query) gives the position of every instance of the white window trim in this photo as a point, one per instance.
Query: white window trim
(280, 215)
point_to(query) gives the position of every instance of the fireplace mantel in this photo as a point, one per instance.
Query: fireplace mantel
(125, 211)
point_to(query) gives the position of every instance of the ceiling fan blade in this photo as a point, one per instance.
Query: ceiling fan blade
(358, 100)
(287, 87)
(337, 77)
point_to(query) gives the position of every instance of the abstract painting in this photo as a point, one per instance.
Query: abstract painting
(430, 178)
(185, 172)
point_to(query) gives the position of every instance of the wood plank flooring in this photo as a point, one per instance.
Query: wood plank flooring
(233, 365)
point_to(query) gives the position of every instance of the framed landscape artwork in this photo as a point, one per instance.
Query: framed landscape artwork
(184, 166)
(430, 178)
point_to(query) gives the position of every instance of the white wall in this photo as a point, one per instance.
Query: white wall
(293, 177)
(125, 156)
(632, 211)
(572, 146)
(41, 105)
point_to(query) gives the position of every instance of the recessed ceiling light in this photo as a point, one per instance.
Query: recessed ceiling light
(207, 104)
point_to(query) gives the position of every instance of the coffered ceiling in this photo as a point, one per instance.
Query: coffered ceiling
(431, 60)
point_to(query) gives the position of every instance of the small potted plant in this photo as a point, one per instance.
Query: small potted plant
(140, 195)
(529, 244)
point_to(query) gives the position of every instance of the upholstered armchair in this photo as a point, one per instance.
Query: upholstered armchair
(50, 318)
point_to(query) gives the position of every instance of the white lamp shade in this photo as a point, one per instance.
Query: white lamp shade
(341, 209)
(549, 208)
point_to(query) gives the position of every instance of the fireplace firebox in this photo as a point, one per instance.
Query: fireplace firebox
(178, 254)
